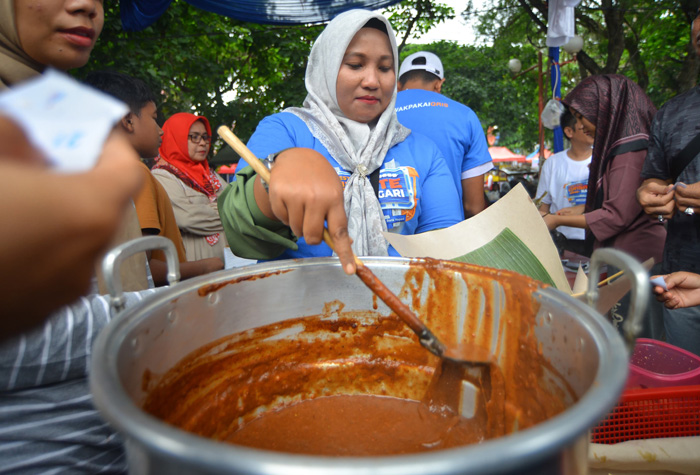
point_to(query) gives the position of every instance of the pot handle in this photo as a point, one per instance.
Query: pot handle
(114, 258)
(641, 289)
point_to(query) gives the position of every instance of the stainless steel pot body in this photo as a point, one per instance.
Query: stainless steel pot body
(153, 336)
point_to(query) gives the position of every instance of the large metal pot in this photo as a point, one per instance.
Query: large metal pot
(151, 337)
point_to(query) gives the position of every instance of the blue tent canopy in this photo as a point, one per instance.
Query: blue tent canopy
(138, 14)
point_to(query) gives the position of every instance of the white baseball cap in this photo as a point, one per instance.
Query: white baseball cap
(425, 61)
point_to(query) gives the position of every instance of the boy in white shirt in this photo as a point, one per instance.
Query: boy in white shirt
(564, 178)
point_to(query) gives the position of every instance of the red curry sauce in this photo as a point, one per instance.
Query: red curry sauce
(357, 425)
(248, 388)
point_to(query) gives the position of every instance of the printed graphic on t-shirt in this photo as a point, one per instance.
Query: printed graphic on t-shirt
(343, 175)
(418, 105)
(397, 193)
(575, 192)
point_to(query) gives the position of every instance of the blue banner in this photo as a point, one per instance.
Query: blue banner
(138, 14)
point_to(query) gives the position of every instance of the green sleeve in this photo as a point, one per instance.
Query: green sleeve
(250, 233)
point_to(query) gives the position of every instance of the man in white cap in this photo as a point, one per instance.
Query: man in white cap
(454, 127)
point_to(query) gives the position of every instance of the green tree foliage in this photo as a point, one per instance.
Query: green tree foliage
(414, 18)
(193, 58)
(646, 40)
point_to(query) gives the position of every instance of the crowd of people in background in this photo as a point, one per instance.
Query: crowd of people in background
(373, 148)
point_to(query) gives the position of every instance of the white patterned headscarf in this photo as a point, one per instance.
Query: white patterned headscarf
(359, 148)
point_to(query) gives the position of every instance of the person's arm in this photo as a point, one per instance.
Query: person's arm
(194, 212)
(620, 207)
(571, 210)
(656, 196)
(188, 269)
(304, 192)
(656, 193)
(553, 221)
(545, 197)
(687, 196)
(476, 162)
(60, 349)
(543, 194)
(249, 232)
(55, 226)
(473, 196)
(15, 146)
(683, 290)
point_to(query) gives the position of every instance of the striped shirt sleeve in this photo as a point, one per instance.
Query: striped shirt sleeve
(48, 423)
(61, 348)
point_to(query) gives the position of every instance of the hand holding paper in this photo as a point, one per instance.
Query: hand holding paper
(67, 121)
(56, 225)
(682, 290)
(658, 281)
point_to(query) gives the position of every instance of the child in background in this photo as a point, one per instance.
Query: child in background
(564, 181)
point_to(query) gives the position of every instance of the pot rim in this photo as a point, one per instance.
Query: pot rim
(501, 454)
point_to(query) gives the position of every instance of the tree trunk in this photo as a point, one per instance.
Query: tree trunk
(614, 21)
(586, 63)
(638, 64)
(412, 23)
(532, 5)
(689, 72)
(691, 64)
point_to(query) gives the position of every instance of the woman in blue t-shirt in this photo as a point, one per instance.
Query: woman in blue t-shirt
(323, 156)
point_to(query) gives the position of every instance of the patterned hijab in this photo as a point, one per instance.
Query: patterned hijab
(15, 64)
(621, 113)
(358, 148)
(175, 155)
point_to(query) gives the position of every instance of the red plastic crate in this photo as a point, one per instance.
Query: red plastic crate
(651, 414)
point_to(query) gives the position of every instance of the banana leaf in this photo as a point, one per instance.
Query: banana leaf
(508, 252)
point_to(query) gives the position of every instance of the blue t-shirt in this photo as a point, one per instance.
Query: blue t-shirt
(416, 191)
(454, 127)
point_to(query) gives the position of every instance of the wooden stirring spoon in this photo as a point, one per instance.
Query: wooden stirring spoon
(465, 354)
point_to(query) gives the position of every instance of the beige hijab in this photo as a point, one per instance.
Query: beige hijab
(15, 64)
(358, 148)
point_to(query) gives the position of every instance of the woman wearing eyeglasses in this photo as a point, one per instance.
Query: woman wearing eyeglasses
(192, 186)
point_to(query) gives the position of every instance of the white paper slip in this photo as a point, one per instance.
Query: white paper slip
(66, 120)
(659, 281)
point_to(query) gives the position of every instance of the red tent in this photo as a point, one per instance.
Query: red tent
(228, 169)
(502, 154)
